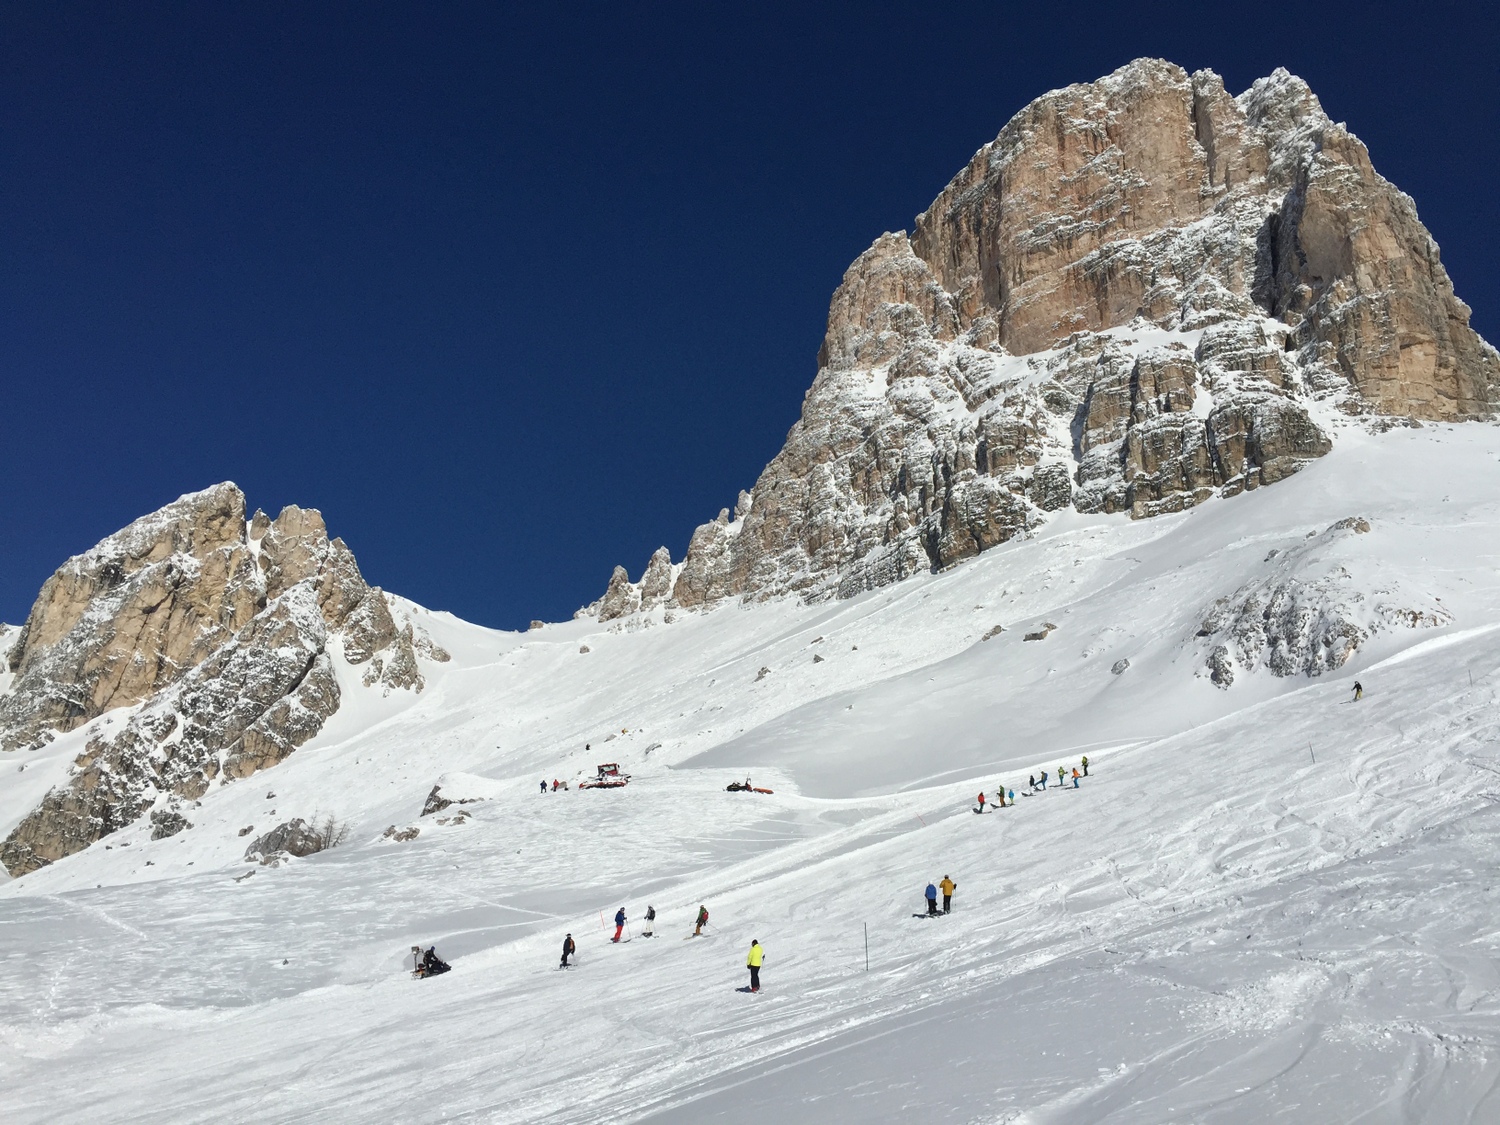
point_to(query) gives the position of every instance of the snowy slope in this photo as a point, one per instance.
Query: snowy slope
(1264, 902)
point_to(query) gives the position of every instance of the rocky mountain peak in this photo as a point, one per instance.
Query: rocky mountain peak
(222, 633)
(1140, 295)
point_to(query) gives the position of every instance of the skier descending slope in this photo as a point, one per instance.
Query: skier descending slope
(619, 923)
(949, 886)
(1075, 777)
(753, 963)
(931, 899)
(702, 921)
(568, 950)
(1359, 692)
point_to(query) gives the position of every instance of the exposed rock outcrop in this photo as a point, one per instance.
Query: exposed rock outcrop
(219, 631)
(1311, 613)
(1138, 296)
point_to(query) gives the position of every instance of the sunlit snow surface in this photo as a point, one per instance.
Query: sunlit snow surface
(1264, 903)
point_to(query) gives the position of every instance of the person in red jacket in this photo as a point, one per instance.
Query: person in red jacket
(981, 800)
(702, 920)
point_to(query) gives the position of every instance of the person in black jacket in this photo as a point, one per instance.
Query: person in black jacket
(432, 964)
(650, 922)
(568, 950)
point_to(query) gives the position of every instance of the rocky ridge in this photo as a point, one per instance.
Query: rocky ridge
(220, 632)
(1139, 296)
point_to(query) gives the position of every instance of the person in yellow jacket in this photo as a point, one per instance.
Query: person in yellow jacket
(947, 886)
(757, 955)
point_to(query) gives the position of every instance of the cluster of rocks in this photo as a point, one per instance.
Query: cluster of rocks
(298, 838)
(1127, 302)
(1308, 616)
(222, 631)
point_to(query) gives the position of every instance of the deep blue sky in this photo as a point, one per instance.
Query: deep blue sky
(514, 296)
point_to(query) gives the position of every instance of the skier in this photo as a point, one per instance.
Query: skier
(702, 919)
(1059, 776)
(619, 923)
(650, 922)
(432, 964)
(544, 785)
(568, 950)
(1044, 780)
(931, 899)
(752, 962)
(981, 800)
(949, 886)
(1085, 765)
(1012, 797)
(1358, 692)
(1031, 781)
(1075, 777)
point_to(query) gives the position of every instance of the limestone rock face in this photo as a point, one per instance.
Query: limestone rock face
(1141, 294)
(220, 631)
(127, 618)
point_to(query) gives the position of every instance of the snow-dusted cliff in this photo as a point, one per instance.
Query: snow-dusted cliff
(1141, 294)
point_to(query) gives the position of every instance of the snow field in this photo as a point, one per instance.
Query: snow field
(1214, 927)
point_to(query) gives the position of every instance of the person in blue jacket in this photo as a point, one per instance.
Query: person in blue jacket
(619, 923)
(931, 899)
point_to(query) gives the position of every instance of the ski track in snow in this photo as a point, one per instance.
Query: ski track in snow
(1262, 903)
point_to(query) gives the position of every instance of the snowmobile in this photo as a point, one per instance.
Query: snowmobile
(608, 777)
(744, 787)
(428, 964)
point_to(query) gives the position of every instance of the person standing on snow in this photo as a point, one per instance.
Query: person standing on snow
(1031, 781)
(1085, 765)
(1358, 692)
(544, 785)
(1059, 775)
(650, 922)
(1012, 797)
(619, 923)
(981, 800)
(1044, 779)
(568, 950)
(949, 886)
(1075, 777)
(702, 920)
(753, 962)
(931, 899)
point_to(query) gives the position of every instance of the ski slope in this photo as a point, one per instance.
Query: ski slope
(1264, 902)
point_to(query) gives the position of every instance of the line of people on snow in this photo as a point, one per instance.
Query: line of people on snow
(1034, 784)
(753, 962)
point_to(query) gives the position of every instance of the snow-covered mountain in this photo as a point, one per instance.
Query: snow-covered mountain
(1133, 299)
(1257, 905)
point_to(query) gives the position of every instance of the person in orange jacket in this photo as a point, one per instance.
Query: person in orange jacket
(1075, 777)
(947, 886)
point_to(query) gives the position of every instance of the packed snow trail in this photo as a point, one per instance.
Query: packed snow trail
(1261, 903)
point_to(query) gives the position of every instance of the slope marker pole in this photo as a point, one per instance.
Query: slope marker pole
(1311, 754)
(867, 945)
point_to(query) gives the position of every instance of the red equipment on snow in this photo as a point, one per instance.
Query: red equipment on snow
(609, 777)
